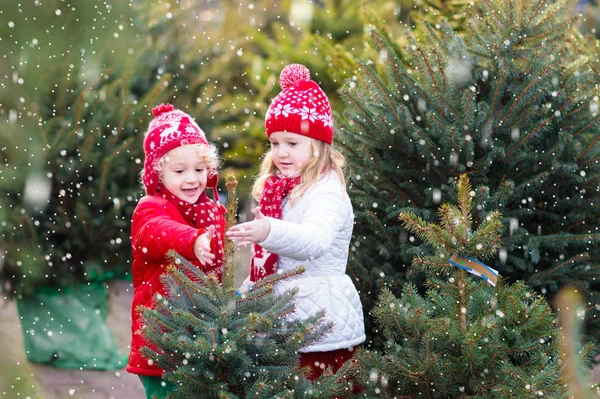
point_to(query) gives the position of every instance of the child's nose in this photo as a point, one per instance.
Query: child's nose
(191, 177)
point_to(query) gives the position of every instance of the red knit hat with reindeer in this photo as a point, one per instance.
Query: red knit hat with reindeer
(169, 129)
(302, 107)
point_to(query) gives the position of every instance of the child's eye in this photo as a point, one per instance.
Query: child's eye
(179, 171)
(293, 144)
(199, 170)
(274, 144)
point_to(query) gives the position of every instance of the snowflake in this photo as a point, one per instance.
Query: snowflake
(287, 110)
(275, 111)
(326, 119)
(308, 113)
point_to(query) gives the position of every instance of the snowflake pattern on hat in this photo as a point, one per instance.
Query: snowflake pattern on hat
(302, 107)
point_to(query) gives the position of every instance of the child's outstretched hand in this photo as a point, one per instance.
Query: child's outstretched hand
(252, 232)
(202, 247)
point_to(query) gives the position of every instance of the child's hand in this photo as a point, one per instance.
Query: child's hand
(252, 232)
(202, 247)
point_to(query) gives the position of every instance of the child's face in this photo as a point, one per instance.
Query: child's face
(184, 173)
(290, 152)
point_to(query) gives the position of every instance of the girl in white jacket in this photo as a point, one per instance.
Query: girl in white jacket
(305, 217)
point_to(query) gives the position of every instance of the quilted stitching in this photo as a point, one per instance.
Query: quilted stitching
(315, 233)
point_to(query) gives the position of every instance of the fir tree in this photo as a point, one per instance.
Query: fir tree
(226, 71)
(212, 343)
(68, 220)
(67, 144)
(464, 338)
(512, 101)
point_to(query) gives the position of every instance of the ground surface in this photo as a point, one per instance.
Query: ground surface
(22, 379)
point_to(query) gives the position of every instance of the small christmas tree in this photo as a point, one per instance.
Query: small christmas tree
(464, 338)
(213, 343)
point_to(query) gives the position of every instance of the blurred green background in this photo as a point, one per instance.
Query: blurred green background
(78, 80)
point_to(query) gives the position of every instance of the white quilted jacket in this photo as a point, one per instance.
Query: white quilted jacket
(315, 232)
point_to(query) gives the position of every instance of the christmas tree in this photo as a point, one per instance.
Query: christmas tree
(214, 343)
(68, 144)
(512, 101)
(469, 335)
(69, 220)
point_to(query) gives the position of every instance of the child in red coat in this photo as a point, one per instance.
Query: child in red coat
(175, 214)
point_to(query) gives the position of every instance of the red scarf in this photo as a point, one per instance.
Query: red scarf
(264, 263)
(201, 215)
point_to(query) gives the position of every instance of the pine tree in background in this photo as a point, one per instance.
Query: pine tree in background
(463, 338)
(327, 37)
(70, 139)
(69, 219)
(226, 57)
(590, 21)
(212, 343)
(511, 101)
(437, 12)
(201, 44)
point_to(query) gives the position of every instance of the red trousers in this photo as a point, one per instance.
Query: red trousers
(319, 361)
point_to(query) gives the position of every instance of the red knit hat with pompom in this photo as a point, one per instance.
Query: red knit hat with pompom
(302, 107)
(169, 129)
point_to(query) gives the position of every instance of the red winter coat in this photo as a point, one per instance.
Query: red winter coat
(158, 226)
